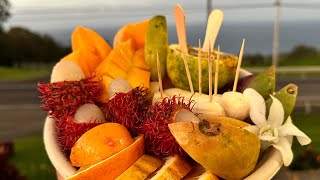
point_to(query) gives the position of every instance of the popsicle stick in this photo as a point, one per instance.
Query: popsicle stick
(216, 74)
(159, 76)
(213, 26)
(181, 27)
(199, 68)
(238, 66)
(210, 73)
(181, 31)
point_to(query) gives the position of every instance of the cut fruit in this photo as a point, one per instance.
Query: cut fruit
(87, 60)
(198, 172)
(66, 71)
(138, 77)
(142, 168)
(124, 62)
(136, 31)
(99, 143)
(230, 152)
(84, 38)
(115, 165)
(174, 168)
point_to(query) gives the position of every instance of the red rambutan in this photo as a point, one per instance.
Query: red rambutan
(68, 131)
(158, 139)
(129, 109)
(65, 97)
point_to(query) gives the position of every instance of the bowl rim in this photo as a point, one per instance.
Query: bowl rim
(267, 167)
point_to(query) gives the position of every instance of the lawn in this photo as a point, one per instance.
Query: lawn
(31, 159)
(22, 73)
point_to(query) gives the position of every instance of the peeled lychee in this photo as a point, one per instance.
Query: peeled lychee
(66, 71)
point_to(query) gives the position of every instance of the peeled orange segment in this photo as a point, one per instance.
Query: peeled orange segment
(228, 151)
(174, 168)
(138, 77)
(87, 60)
(84, 38)
(99, 143)
(136, 31)
(141, 169)
(115, 165)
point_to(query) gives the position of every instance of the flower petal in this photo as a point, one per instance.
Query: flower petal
(285, 149)
(257, 107)
(271, 139)
(253, 129)
(276, 113)
(289, 129)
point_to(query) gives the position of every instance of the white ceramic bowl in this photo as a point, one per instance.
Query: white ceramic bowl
(268, 165)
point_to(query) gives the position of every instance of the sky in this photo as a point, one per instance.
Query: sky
(59, 17)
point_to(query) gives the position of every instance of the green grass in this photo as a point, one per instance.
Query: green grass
(31, 159)
(22, 74)
(310, 125)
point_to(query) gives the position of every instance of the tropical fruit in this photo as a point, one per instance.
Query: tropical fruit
(136, 31)
(231, 151)
(175, 167)
(115, 165)
(156, 43)
(123, 62)
(198, 172)
(142, 168)
(100, 143)
(84, 38)
(264, 83)
(177, 73)
(287, 96)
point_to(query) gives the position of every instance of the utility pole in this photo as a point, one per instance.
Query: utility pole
(276, 32)
(209, 7)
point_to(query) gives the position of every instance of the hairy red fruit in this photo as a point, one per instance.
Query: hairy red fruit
(62, 99)
(68, 132)
(129, 109)
(158, 139)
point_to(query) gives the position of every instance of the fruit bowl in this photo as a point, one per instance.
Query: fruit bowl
(269, 163)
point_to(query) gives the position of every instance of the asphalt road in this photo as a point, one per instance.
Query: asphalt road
(20, 113)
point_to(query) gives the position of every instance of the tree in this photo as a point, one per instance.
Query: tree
(4, 11)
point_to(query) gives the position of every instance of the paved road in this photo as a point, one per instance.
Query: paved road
(20, 112)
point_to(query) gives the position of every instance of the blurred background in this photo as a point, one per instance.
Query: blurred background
(35, 34)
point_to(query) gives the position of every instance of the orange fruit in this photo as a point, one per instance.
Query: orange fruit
(123, 62)
(136, 31)
(115, 165)
(91, 41)
(99, 143)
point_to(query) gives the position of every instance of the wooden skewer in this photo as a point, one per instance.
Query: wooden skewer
(210, 73)
(216, 74)
(213, 26)
(159, 76)
(200, 68)
(238, 67)
(181, 31)
(181, 27)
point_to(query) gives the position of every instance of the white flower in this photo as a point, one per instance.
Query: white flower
(272, 131)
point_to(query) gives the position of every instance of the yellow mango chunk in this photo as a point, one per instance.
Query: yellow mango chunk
(138, 77)
(91, 41)
(85, 59)
(139, 60)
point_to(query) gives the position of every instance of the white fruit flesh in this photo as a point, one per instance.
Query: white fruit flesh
(89, 113)
(235, 105)
(66, 71)
(118, 85)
